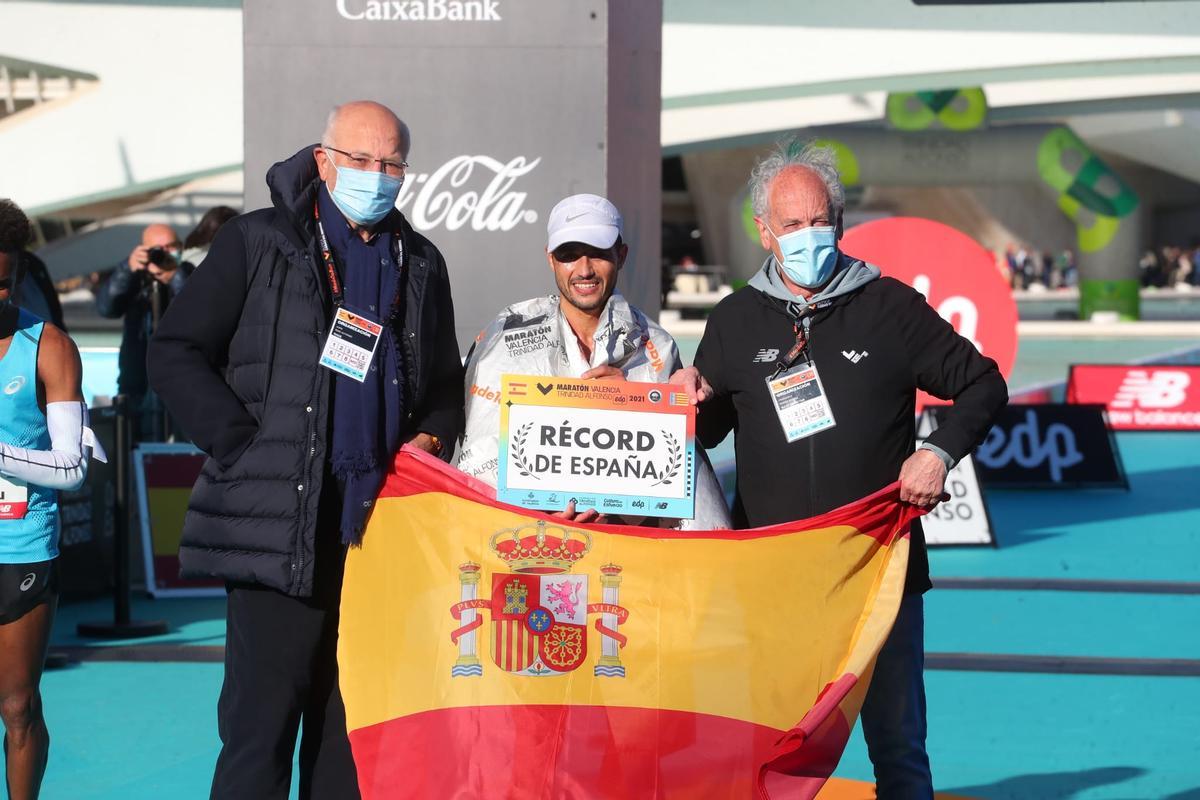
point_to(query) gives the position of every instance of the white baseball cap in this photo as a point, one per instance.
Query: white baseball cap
(586, 218)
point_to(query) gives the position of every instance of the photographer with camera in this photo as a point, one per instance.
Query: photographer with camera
(140, 289)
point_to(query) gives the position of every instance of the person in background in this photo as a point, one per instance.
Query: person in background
(140, 289)
(44, 447)
(1151, 271)
(1172, 267)
(1064, 269)
(195, 246)
(1046, 273)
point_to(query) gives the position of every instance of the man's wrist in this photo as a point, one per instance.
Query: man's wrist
(947, 461)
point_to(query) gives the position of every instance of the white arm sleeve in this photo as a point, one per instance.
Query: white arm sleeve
(64, 465)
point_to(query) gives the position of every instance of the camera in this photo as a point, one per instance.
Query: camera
(157, 256)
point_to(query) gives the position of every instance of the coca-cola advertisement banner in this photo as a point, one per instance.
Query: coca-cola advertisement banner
(512, 105)
(1049, 446)
(1146, 397)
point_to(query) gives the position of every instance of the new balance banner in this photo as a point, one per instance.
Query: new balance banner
(1140, 398)
(1051, 446)
(489, 651)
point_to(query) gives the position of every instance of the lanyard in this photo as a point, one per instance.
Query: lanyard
(793, 354)
(331, 268)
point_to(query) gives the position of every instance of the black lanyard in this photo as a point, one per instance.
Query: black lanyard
(332, 273)
(797, 349)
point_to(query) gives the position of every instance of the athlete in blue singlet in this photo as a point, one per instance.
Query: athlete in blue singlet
(44, 447)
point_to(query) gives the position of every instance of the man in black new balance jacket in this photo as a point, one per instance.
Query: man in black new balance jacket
(821, 443)
(300, 436)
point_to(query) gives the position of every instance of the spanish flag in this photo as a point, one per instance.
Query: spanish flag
(490, 652)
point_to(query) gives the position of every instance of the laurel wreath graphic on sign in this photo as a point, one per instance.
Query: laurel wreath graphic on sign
(518, 452)
(674, 459)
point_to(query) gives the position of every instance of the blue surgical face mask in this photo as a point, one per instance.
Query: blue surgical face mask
(365, 197)
(809, 255)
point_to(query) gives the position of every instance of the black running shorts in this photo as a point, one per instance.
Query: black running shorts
(23, 587)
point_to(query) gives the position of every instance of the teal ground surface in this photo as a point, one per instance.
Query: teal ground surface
(125, 730)
(122, 730)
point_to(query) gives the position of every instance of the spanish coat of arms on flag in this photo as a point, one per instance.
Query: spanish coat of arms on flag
(487, 651)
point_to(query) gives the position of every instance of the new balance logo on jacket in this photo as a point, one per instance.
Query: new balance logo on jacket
(766, 355)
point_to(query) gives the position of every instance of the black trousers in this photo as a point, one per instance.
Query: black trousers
(280, 677)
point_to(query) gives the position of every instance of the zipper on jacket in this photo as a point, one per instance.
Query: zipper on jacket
(312, 409)
(812, 470)
(274, 334)
(306, 486)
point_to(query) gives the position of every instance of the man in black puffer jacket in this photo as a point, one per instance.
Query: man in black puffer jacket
(299, 437)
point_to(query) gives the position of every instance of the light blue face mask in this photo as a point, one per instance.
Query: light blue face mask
(809, 255)
(365, 197)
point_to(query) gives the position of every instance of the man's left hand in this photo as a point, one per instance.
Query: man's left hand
(922, 479)
(425, 442)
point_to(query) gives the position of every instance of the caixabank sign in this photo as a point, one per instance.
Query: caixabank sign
(1146, 397)
(420, 10)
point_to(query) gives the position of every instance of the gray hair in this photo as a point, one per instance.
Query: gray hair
(330, 122)
(796, 152)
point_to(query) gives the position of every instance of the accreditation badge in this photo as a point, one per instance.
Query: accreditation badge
(800, 402)
(14, 498)
(351, 345)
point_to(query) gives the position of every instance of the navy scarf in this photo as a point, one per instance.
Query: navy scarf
(368, 416)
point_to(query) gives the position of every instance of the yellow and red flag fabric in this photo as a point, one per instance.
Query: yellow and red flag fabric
(487, 651)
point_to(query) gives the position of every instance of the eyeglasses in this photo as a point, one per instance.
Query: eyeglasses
(366, 163)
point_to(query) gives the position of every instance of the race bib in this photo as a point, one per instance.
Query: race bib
(351, 345)
(800, 402)
(14, 498)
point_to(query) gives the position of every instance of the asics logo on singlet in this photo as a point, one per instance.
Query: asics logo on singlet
(766, 355)
(27, 584)
(1162, 388)
(15, 385)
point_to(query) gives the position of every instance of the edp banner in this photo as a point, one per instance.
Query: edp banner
(165, 474)
(1051, 446)
(1146, 397)
(618, 447)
